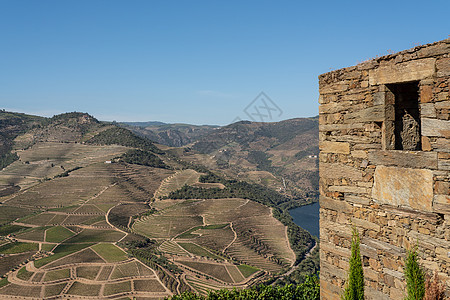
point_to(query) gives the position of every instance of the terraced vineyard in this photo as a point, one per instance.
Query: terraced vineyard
(214, 239)
(77, 221)
(60, 240)
(176, 181)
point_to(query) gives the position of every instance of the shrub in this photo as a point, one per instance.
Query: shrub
(355, 284)
(415, 276)
(142, 157)
(308, 290)
(434, 289)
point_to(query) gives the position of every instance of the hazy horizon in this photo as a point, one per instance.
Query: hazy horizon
(198, 63)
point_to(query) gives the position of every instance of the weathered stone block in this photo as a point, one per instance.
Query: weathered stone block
(442, 145)
(335, 127)
(442, 187)
(434, 50)
(428, 110)
(359, 154)
(434, 127)
(426, 145)
(403, 72)
(336, 171)
(344, 231)
(412, 214)
(359, 139)
(397, 293)
(379, 98)
(356, 199)
(426, 94)
(333, 88)
(398, 186)
(444, 164)
(334, 147)
(443, 254)
(406, 159)
(365, 224)
(443, 67)
(369, 252)
(443, 96)
(348, 189)
(441, 203)
(329, 268)
(429, 240)
(373, 294)
(328, 290)
(331, 108)
(329, 247)
(371, 274)
(442, 105)
(393, 273)
(336, 205)
(383, 246)
(370, 114)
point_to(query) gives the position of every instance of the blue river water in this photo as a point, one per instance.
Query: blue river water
(307, 217)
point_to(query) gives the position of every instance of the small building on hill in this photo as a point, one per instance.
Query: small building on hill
(385, 168)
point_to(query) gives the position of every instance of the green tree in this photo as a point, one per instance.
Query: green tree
(355, 284)
(308, 290)
(414, 275)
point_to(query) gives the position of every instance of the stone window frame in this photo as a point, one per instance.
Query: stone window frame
(422, 70)
(388, 124)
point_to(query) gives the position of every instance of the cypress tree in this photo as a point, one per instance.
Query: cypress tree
(355, 284)
(415, 276)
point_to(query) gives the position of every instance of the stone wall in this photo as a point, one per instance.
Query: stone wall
(369, 177)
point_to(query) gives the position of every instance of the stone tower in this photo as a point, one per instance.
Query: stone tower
(385, 168)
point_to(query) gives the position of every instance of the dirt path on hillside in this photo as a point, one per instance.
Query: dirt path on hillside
(296, 267)
(234, 239)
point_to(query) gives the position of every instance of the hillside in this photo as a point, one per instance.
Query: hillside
(11, 125)
(90, 209)
(281, 155)
(174, 135)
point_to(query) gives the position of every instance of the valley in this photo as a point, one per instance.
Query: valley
(91, 210)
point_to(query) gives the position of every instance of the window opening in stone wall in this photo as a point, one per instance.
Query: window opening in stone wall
(403, 117)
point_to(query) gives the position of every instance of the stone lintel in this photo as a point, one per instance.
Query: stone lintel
(413, 70)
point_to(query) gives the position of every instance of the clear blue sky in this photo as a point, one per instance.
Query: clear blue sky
(199, 62)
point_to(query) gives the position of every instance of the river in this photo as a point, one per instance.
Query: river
(307, 217)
